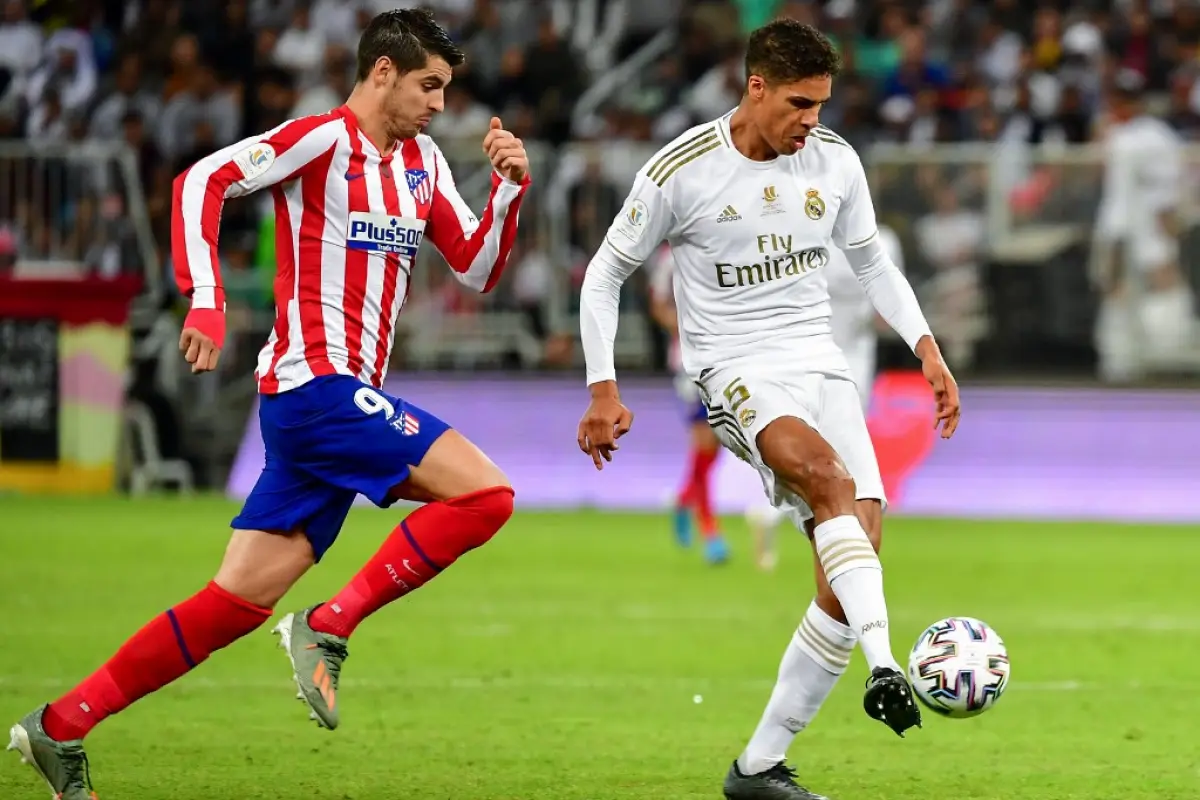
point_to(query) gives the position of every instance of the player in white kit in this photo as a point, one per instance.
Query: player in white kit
(853, 320)
(751, 204)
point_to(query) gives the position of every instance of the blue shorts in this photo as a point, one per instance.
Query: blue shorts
(697, 412)
(326, 442)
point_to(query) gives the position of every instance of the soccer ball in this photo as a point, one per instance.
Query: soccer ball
(959, 667)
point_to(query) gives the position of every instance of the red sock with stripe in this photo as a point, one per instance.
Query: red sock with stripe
(701, 501)
(168, 647)
(428, 541)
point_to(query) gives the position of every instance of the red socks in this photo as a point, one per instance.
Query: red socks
(425, 543)
(695, 494)
(168, 647)
(172, 644)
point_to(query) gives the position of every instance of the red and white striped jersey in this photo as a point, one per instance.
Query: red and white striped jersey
(349, 221)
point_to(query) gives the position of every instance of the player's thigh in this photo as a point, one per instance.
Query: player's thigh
(452, 467)
(703, 439)
(291, 505)
(769, 420)
(843, 425)
(365, 440)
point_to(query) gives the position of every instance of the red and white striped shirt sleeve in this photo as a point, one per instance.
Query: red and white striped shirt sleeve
(200, 192)
(476, 249)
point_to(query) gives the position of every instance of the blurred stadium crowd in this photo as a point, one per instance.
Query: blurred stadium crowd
(175, 80)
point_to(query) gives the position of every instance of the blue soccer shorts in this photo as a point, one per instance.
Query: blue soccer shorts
(326, 442)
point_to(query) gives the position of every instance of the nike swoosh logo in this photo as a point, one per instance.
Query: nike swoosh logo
(353, 176)
(410, 569)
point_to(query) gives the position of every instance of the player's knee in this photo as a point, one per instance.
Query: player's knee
(491, 507)
(823, 481)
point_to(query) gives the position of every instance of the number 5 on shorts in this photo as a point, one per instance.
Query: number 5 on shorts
(736, 393)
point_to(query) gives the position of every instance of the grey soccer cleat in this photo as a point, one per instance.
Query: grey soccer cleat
(890, 700)
(776, 783)
(62, 765)
(316, 665)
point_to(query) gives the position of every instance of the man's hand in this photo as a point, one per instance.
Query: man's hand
(202, 338)
(605, 421)
(506, 152)
(945, 389)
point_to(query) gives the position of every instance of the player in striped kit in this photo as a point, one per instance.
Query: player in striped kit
(356, 190)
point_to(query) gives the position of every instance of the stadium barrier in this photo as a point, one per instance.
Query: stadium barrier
(1020, 452)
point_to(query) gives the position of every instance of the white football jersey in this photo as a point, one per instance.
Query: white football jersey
(751, 241)
(853, 317)
(1143, 177)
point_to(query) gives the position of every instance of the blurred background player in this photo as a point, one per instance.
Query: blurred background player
(694, 500)
(1147, 305)
(364, 185)
(856, 327)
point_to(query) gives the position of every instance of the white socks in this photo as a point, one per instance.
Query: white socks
(856, 576)
(814, 660)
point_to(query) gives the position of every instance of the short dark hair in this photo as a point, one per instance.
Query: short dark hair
(408, 37)
(785, 51)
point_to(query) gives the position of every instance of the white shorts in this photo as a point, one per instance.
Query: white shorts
(742, 401)
(860, 355)
(1152, 249)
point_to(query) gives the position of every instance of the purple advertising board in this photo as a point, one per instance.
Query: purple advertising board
(1021, 453)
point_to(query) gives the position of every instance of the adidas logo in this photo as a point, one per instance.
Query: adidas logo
(728, 214)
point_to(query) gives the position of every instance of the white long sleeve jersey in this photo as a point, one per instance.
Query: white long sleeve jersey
(751, 240)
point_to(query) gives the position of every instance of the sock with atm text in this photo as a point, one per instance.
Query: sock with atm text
(428, 541)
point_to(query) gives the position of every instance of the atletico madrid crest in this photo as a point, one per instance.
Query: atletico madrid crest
(419, 186)
(406, 424)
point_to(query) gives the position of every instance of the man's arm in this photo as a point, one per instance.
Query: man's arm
(643, 222)
(855, 231)
(200, 193)
(477, 250)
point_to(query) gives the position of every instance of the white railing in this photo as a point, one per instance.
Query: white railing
(76, 207)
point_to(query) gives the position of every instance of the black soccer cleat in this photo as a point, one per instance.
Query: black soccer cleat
(776, 783)
(890, 700)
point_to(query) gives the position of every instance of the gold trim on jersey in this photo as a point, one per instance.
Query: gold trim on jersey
(861, 242)
(823, 134)
(619, 251)
(685, 153)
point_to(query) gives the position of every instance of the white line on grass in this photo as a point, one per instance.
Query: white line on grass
(575, 683)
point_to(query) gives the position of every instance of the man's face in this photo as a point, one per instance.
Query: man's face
(414, 97)
(786, 113)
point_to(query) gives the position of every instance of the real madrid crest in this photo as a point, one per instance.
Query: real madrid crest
(814, 206)
(747, 417)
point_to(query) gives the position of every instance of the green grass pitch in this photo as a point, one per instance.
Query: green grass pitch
(562, 662)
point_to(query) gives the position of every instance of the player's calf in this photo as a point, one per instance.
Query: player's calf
(425, 544)
(801, 457)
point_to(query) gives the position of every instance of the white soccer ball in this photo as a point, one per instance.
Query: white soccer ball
(959, 667)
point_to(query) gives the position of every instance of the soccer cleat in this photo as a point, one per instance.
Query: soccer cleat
(316, 665)
(776, 783)
(890, 700)
(62, 765)
(682, 521)
(716, 550)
